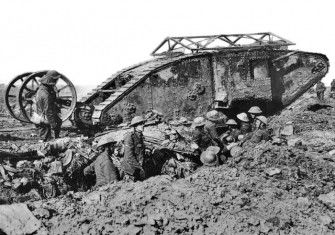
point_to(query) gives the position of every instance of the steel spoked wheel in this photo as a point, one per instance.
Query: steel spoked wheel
(65, 92)
(11, 101)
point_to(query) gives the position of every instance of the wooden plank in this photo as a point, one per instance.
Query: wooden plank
(107, 90)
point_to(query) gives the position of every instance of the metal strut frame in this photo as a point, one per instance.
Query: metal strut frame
(194, 44)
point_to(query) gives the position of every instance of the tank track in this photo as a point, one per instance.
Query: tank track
(138, 73)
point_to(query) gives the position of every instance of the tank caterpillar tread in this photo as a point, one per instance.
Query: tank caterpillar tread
(138, 73)
(109, 82)
(92, 94)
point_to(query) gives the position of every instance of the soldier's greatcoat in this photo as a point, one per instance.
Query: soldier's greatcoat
(134, 152)
(105, 170)
(47, 107)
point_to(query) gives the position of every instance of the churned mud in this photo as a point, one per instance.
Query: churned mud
(285, 187)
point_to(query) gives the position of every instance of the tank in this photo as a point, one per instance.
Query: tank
(189, 76)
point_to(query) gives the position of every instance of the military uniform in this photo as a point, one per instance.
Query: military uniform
(320, 90)
(134, 152)
(212, 130)
(245, 128)
(234, 133)
(105, 170)
(332, 85)
(260, 135)
(46, 106)
(202, 139)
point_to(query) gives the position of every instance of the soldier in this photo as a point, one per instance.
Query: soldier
(245, 126)
(233, 132)
(175, 141)
(210, 157)
(199, 136)
(46, 106)
(260, 133)
(320, 91)
(332, 89)
(332, 86)
(215, 125)
(253, 112)
(104, 168)
(134, 151)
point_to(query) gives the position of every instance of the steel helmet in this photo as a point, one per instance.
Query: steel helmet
(209, 157)
(216, 116)
(243, 117)
(255, 110)
(50, 78)
(106, 139)
(138, 120)
(199, 121)
(231, 122)
(263, 119)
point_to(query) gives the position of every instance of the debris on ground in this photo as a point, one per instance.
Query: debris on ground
(284, 186)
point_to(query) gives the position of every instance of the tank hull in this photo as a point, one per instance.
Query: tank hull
(190, 85)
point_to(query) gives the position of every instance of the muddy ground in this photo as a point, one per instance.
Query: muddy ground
(270, 188)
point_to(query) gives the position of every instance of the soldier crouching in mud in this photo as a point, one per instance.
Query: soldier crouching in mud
(103, 167)
(253, 112)
(261, 133)
(176, 157)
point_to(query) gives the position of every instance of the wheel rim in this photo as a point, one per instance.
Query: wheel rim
(65, 90)
(11, 100)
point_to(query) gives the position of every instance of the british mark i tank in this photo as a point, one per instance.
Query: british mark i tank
(191, 75)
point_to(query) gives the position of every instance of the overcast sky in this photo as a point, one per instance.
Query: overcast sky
(89, 40)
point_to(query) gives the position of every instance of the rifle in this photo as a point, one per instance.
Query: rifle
(157, 143)
(30, 155)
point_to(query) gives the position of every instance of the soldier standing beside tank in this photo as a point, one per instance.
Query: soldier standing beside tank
(46, 106)
(134, 151)
(253, 112)
(320, 91)
(103, 167)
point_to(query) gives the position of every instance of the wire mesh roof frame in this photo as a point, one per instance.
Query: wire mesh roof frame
(195, 44)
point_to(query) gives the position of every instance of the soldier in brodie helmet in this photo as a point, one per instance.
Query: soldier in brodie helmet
(46, 106)
(200, 136)
(104, 168)
(215, 125)
(134, 151)
(253, 112)
(261, 132)
(210, 157)
(245, 126)
(233, 132)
